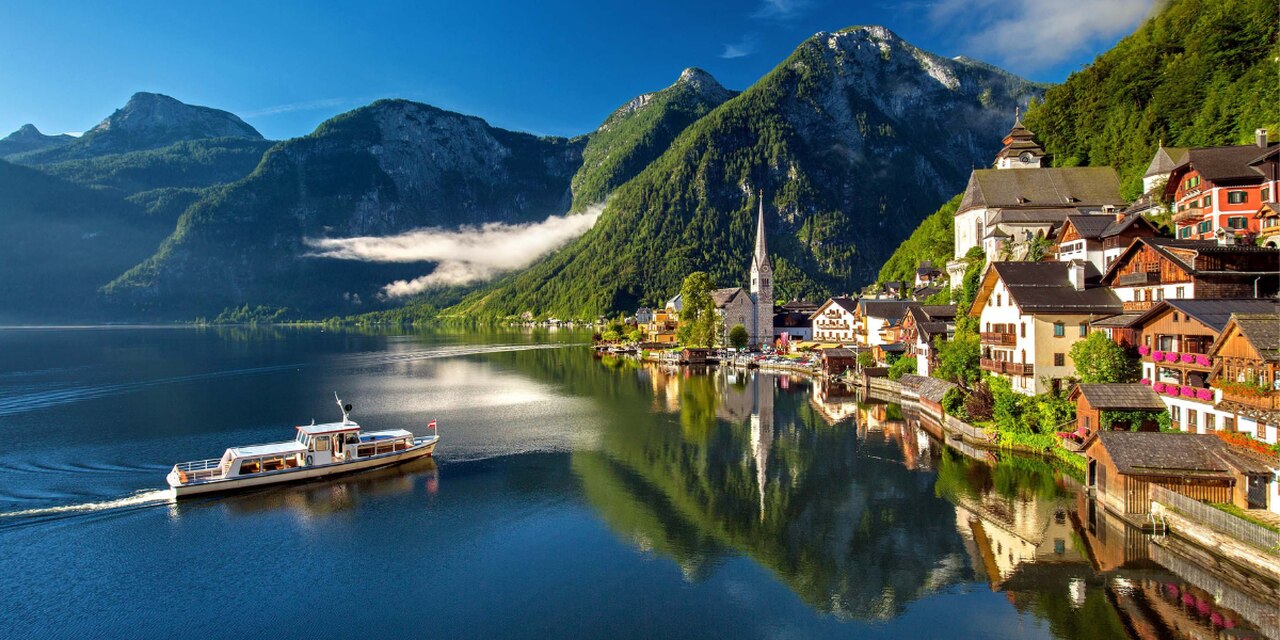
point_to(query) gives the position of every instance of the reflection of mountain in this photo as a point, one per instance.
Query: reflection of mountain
(846, 527)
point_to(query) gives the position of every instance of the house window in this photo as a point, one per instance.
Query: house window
(1237, 222)
(1179, 292)
(1175, 412)
(1059, 330)
(1184, 232)
(1084, 329)
(1237, 197)
(998, 298)
(1228, 423)
(1208, 422)
(1059, 360)
(1159, 294)
(1023, 330)
(1266, 194)
(1204, 226)
(1191, 418)
(1208, 201)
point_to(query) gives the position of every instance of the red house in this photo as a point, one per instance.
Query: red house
(1222, 188)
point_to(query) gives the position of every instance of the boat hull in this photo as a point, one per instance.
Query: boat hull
(301, 474)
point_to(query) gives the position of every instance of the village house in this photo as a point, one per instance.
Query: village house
(1175, 338)
(1121, 465)
(1093, 401)
(662, 325)
(875, 317)
(1030, 313)
(838, 360)
(1004, 209)
(927, 275)
(923, 328)
(1246, 372)
(644, 315)
(835, 322)
(792, 322)
(1100, 239)
(1221, 188)
(1268, 216)
(1155, 269)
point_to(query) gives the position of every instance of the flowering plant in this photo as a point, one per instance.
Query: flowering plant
(1158, 387)
(1144, 350)
(1188, 358)
(1146, 381)
(1204, 394)
(1157, 356)
(1188, 392)
(1203, 360)
(1246, 441)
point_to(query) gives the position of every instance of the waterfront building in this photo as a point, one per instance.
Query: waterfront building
(1100, 239)
(1123, 464)
(662, 325)
(644, 315)
(1155, 269)
(835, 322)
(873, 319)
(837, 361)
(922, 328)
(1093, 399)
(1030, 313)
(794, 320)
(1246, 373)
(1002, 209)
(1220, 188)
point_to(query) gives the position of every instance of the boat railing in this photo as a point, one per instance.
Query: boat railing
(198, 465)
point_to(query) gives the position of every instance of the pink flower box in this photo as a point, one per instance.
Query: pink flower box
(1188, 358)
(1188, 392)
(1158, 387)
(1204, 360)
(1157, 356)
(1144, 350)
(1204, 394)
(1146, 381)
(1171, 356)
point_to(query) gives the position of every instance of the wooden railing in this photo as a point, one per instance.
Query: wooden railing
(1188, 215)
(1010, 368)
(1270, 401)
(999, 338)
(1138, 277)
(1138, 305)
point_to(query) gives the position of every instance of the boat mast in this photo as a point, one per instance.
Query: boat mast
(345, 408)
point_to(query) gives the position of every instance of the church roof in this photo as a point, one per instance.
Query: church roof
(1165, 160)
(1019, 139)
(723, 297)
(1062, 187)
(761, 259)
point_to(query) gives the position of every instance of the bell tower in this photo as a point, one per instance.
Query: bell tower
(761, 285)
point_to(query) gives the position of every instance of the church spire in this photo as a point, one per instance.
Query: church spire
(761, 259)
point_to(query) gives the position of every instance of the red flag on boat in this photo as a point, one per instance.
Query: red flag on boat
(431, 425)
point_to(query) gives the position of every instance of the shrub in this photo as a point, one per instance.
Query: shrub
(953, 402)
(980, 403)
(902, 366)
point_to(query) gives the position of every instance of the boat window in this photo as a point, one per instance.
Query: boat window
(322, 443)
(250, 466)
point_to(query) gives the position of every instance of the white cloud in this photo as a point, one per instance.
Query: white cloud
(463, 256)
(741, 49)
(780, 9)
(306, 105)
(1026, 35)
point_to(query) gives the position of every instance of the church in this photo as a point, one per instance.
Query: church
(751, 308)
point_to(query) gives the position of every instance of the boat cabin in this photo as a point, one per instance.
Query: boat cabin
(330, 442)
(316, 444)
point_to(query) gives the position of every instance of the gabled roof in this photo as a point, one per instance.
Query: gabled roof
(1183, 254)
(1097, 227)
(1119, 397)
(1262, 330)
(1154, 453)
(1044, 287)
(1033, 216)
(723, 297)
(1213, 314)
(889, 309)
(848, 304)
(1166, 160)
(1224, 165)
(931, 389)
(1041, 188)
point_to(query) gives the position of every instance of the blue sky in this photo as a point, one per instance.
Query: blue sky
(548, 66)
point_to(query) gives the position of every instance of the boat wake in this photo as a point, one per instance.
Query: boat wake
(46, 398)
(143, 498)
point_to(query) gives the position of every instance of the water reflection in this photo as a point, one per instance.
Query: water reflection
(860, 512)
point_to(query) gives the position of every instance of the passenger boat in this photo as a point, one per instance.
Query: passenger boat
(317, 451)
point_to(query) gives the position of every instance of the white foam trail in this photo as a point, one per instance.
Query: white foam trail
(143, 497)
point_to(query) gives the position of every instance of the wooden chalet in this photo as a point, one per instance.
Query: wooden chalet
(1100, 239)
(1092, 400)
(1155, 269)
(1122, 465)
(837, 361)
(1246, 366)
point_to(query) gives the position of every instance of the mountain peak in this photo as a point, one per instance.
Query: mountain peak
(703, 83)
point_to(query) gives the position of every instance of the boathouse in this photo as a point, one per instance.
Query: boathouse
(695, 355)
(1095, 401)
(837, 361)
(1122, 465)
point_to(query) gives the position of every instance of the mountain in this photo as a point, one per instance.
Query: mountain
(852, 139)
(28, 138)
(641, 130)
(1197, 73)
(147, 121)
(62, 242)
(387, 168)
(185, 164)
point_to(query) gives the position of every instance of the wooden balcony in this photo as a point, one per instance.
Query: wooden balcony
(1139, 305)
(1007, 368)
(1138, 278)
(1269, 401)
(1189, 215)
(999, 338)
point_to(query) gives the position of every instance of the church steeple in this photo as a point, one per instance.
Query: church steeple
(760, 260)
(761, 285)
(1021, 151)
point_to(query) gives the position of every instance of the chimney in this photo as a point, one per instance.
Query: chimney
(1075, 274)
(1261, 135)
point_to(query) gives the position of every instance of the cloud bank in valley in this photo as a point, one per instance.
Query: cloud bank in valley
(462, 256)
(1028, 35)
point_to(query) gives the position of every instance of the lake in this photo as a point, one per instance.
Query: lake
(571, 496)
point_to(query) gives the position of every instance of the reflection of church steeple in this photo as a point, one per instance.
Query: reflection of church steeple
(762, 432)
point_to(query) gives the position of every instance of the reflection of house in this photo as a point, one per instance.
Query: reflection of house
(834, 321)
(1155, 269)
(1123, 464)
(1013, 533)
(1030, 313)
(834, 400)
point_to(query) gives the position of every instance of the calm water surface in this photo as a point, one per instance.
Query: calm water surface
(571, 496)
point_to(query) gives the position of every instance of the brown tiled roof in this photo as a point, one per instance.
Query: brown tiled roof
(1226, 165)
(1043, 287)
(890, 309)
(1179, 250)
(1155, 453)
(838, 353)
(1122, 321)
(722, 297)
(931, 389)
(1120, 397)
(939, 311)
(846, 303)
(1042, 188)
(1212, 313)
(1262, 331)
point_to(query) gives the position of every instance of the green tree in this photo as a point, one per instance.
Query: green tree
(865, 359)
(1098, 359)
(636, 335)
(902, 366)
(958, 359)
(699, 325)
(610, 336)
(738, 336)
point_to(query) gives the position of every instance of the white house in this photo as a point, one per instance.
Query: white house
(835, 321)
